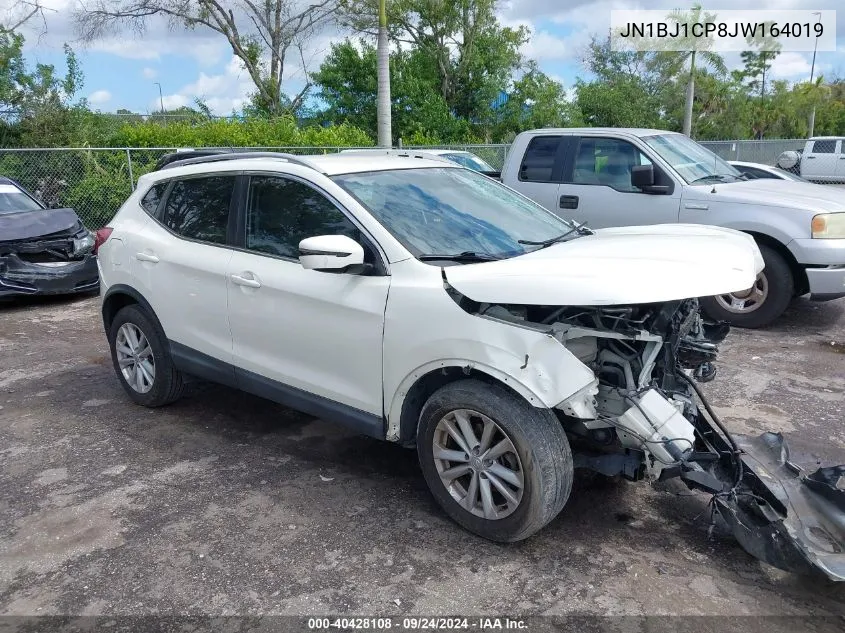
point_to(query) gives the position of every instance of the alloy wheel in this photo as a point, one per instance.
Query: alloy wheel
(135, 358)
(748, 300)
(478, 464)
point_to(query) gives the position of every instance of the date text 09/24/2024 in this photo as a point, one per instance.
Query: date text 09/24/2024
(416, 623)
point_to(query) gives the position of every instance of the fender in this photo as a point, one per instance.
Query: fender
(537, 377)
(124, 290)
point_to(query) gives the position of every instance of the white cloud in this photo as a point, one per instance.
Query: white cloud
(795, 66)
(99, 97)
(149, 73)
(222, 92)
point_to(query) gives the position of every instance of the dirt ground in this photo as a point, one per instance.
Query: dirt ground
(228, 504)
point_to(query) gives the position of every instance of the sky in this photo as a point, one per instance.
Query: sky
(122, 71)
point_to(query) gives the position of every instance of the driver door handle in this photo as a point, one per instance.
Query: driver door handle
(568, 202)
(243, 280)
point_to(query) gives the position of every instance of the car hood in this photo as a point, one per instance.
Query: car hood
(624, 265)
(32, 224)
(805, 196)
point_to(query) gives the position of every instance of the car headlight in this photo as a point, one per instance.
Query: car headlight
(829, 225)
(83, 244)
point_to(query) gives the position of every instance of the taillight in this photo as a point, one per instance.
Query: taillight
(101, 236)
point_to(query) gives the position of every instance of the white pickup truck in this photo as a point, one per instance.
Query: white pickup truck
(821, 160)
(609, 177)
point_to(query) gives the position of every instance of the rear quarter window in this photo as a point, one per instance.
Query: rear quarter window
(153, 197)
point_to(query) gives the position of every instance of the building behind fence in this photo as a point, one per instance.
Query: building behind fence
(96, 181)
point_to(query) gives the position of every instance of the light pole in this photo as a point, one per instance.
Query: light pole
(812, 124)
(160, 97)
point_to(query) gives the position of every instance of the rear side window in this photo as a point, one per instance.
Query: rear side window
(153, 197)
(539, 160)
(824, 147)
(198, 208)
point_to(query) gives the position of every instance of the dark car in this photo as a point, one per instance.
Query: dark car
(42, 251)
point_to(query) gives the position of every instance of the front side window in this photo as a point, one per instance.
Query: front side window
(607, 161)
(282, 212)
(443, 210)
(827, 146)
(539, 160)
(694, 163)
(198, 208)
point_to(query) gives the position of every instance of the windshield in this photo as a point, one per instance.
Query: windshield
(468, 160)
(13, 200)
(694, 163)
(445, 210)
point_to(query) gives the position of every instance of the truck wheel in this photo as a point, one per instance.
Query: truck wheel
(498, 466)
(762, 303)
(141, 359)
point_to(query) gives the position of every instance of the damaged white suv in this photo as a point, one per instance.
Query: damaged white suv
(422, 303)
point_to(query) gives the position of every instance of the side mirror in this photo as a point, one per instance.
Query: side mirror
(642, 176)
(332, 254)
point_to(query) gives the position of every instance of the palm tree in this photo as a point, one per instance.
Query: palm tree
(698, 51)
(385, 133)
(813, 93)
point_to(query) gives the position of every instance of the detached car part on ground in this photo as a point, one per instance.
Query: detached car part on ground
(535, 347)
(42, 251)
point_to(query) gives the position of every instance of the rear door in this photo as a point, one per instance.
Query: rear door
(541, 170)
(598, 190)
(821, 162)
(180, 261)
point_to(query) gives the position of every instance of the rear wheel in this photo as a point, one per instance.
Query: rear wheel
(498, 466)
(141, 358)
(761, 304)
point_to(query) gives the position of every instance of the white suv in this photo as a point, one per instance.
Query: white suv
(423, 303)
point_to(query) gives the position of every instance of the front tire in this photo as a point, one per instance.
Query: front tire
(498, 466)
(141, 358)
(761, 304)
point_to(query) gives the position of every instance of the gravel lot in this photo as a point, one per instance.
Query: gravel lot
(228, 504)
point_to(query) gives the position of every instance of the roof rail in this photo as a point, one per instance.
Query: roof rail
(404, 153)
(216, 158)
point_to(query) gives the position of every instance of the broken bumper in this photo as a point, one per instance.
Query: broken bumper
(782, 515)
(21, 278)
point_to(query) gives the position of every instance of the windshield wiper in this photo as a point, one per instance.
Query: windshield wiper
(581, 229)
(466, 256)
(718, 177)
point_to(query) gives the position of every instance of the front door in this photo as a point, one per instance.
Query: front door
(309, 334)
(822, 161)
(598, 188)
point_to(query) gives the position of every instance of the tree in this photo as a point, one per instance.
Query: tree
(694, 49)
(473, 55)
(261, 34)
(347, 85)
(21, 12)
(535, 101)
(385, 133)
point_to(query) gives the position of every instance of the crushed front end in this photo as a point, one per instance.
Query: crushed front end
(37, 263)
(646, 417)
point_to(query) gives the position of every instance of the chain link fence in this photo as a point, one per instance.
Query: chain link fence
(764, 152)
(96, 181)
